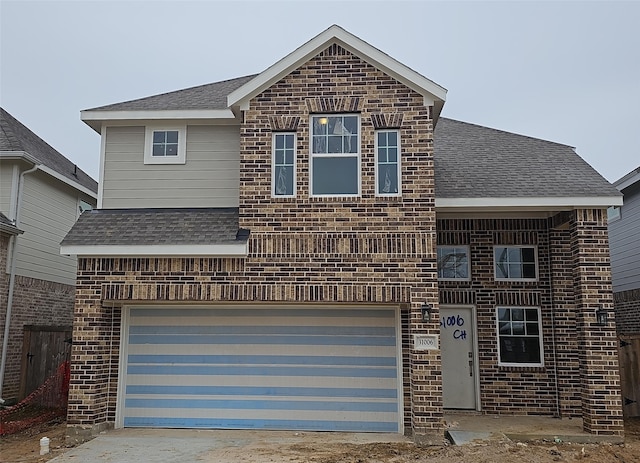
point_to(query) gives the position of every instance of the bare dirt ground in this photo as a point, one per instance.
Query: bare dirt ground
(24, 447)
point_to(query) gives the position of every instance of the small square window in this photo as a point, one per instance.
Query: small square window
(165, 145)
(515, 263)
(519, 336)
(283, 172)
(453, 262)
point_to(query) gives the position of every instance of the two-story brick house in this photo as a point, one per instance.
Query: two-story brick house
(314, 247)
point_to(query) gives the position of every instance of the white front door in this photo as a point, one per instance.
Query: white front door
(458, 358)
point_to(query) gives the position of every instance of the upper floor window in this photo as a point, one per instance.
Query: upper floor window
(613, 213)
(283, 172)
(453, 262)
(335, 155)
(165, 145)
(388, 163)
(515, 263)
(83, 206)
(519, 336)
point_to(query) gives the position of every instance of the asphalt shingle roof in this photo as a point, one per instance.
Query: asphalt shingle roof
(154, 227)
(208, 96)
(15, 136)
(472, 161)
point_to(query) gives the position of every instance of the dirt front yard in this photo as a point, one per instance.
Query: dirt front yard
(24, 447)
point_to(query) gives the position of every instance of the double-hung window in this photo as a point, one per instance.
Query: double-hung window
(453, 262)
(283, 172)
(519, 336)
(387, 163)
(515, 263)
(165, 145)
(335, 155)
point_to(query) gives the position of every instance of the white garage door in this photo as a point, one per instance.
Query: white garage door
(291, 368)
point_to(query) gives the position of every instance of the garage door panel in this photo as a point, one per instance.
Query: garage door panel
(265, 349)
(152, 382)
(373, 425)
(271, 368)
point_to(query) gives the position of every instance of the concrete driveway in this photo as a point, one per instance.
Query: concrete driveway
(184, 446)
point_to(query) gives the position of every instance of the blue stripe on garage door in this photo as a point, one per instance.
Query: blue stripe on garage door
(251, 368)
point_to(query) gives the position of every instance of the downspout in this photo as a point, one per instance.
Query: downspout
(12, 278)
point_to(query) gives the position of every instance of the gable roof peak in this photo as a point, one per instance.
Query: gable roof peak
(433, 93)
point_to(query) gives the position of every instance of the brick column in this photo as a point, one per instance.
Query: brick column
(598, 353)
(91, 360)
(426, 370)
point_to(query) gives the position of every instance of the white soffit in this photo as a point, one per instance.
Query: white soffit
(432, 92)
(532, 203)
(95, 118)
(213, 250)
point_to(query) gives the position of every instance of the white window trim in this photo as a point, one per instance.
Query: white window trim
(540, 338)
(181, 158)
(273, 164)
(535, 256)
(399, 179)
(614, 214)
(313, 155)
(468, 249)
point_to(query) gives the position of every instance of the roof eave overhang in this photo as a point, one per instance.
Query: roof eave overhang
(96, 118)
(10, 229)
(434, 94)
(627, 181)
(240, 249)
(530, 204)
(24, 156)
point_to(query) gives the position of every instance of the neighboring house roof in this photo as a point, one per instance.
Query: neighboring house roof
(628, 180)
(476, 163)
(7, 226)
(201, 231)
(17, 140)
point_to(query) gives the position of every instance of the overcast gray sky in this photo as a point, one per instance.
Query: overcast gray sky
(568, 72)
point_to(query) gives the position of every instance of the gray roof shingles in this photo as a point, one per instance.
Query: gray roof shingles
(208, 96)
(15, 136)
(472, 161)
(154, 227)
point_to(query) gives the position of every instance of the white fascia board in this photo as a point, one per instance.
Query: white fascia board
(23, 155)
(68, 181)
(159, 250)
(429, 89)
(18, 155)
(177, 114)
(543, 203)
(627, 182)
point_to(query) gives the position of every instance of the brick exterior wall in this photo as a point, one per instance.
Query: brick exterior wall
(508, 389)
(627, 311)
(35, 302)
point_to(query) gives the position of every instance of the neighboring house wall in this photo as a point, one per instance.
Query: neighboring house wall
(49, 209)
(35, 302)
(209, 178)
(624, 234)
(44, 289)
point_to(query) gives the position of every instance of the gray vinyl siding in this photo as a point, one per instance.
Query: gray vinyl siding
(49, 210)
(624, 237)
(209, 178)
(6, 175)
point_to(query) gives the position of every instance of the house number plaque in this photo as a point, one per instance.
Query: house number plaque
(425, 341)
